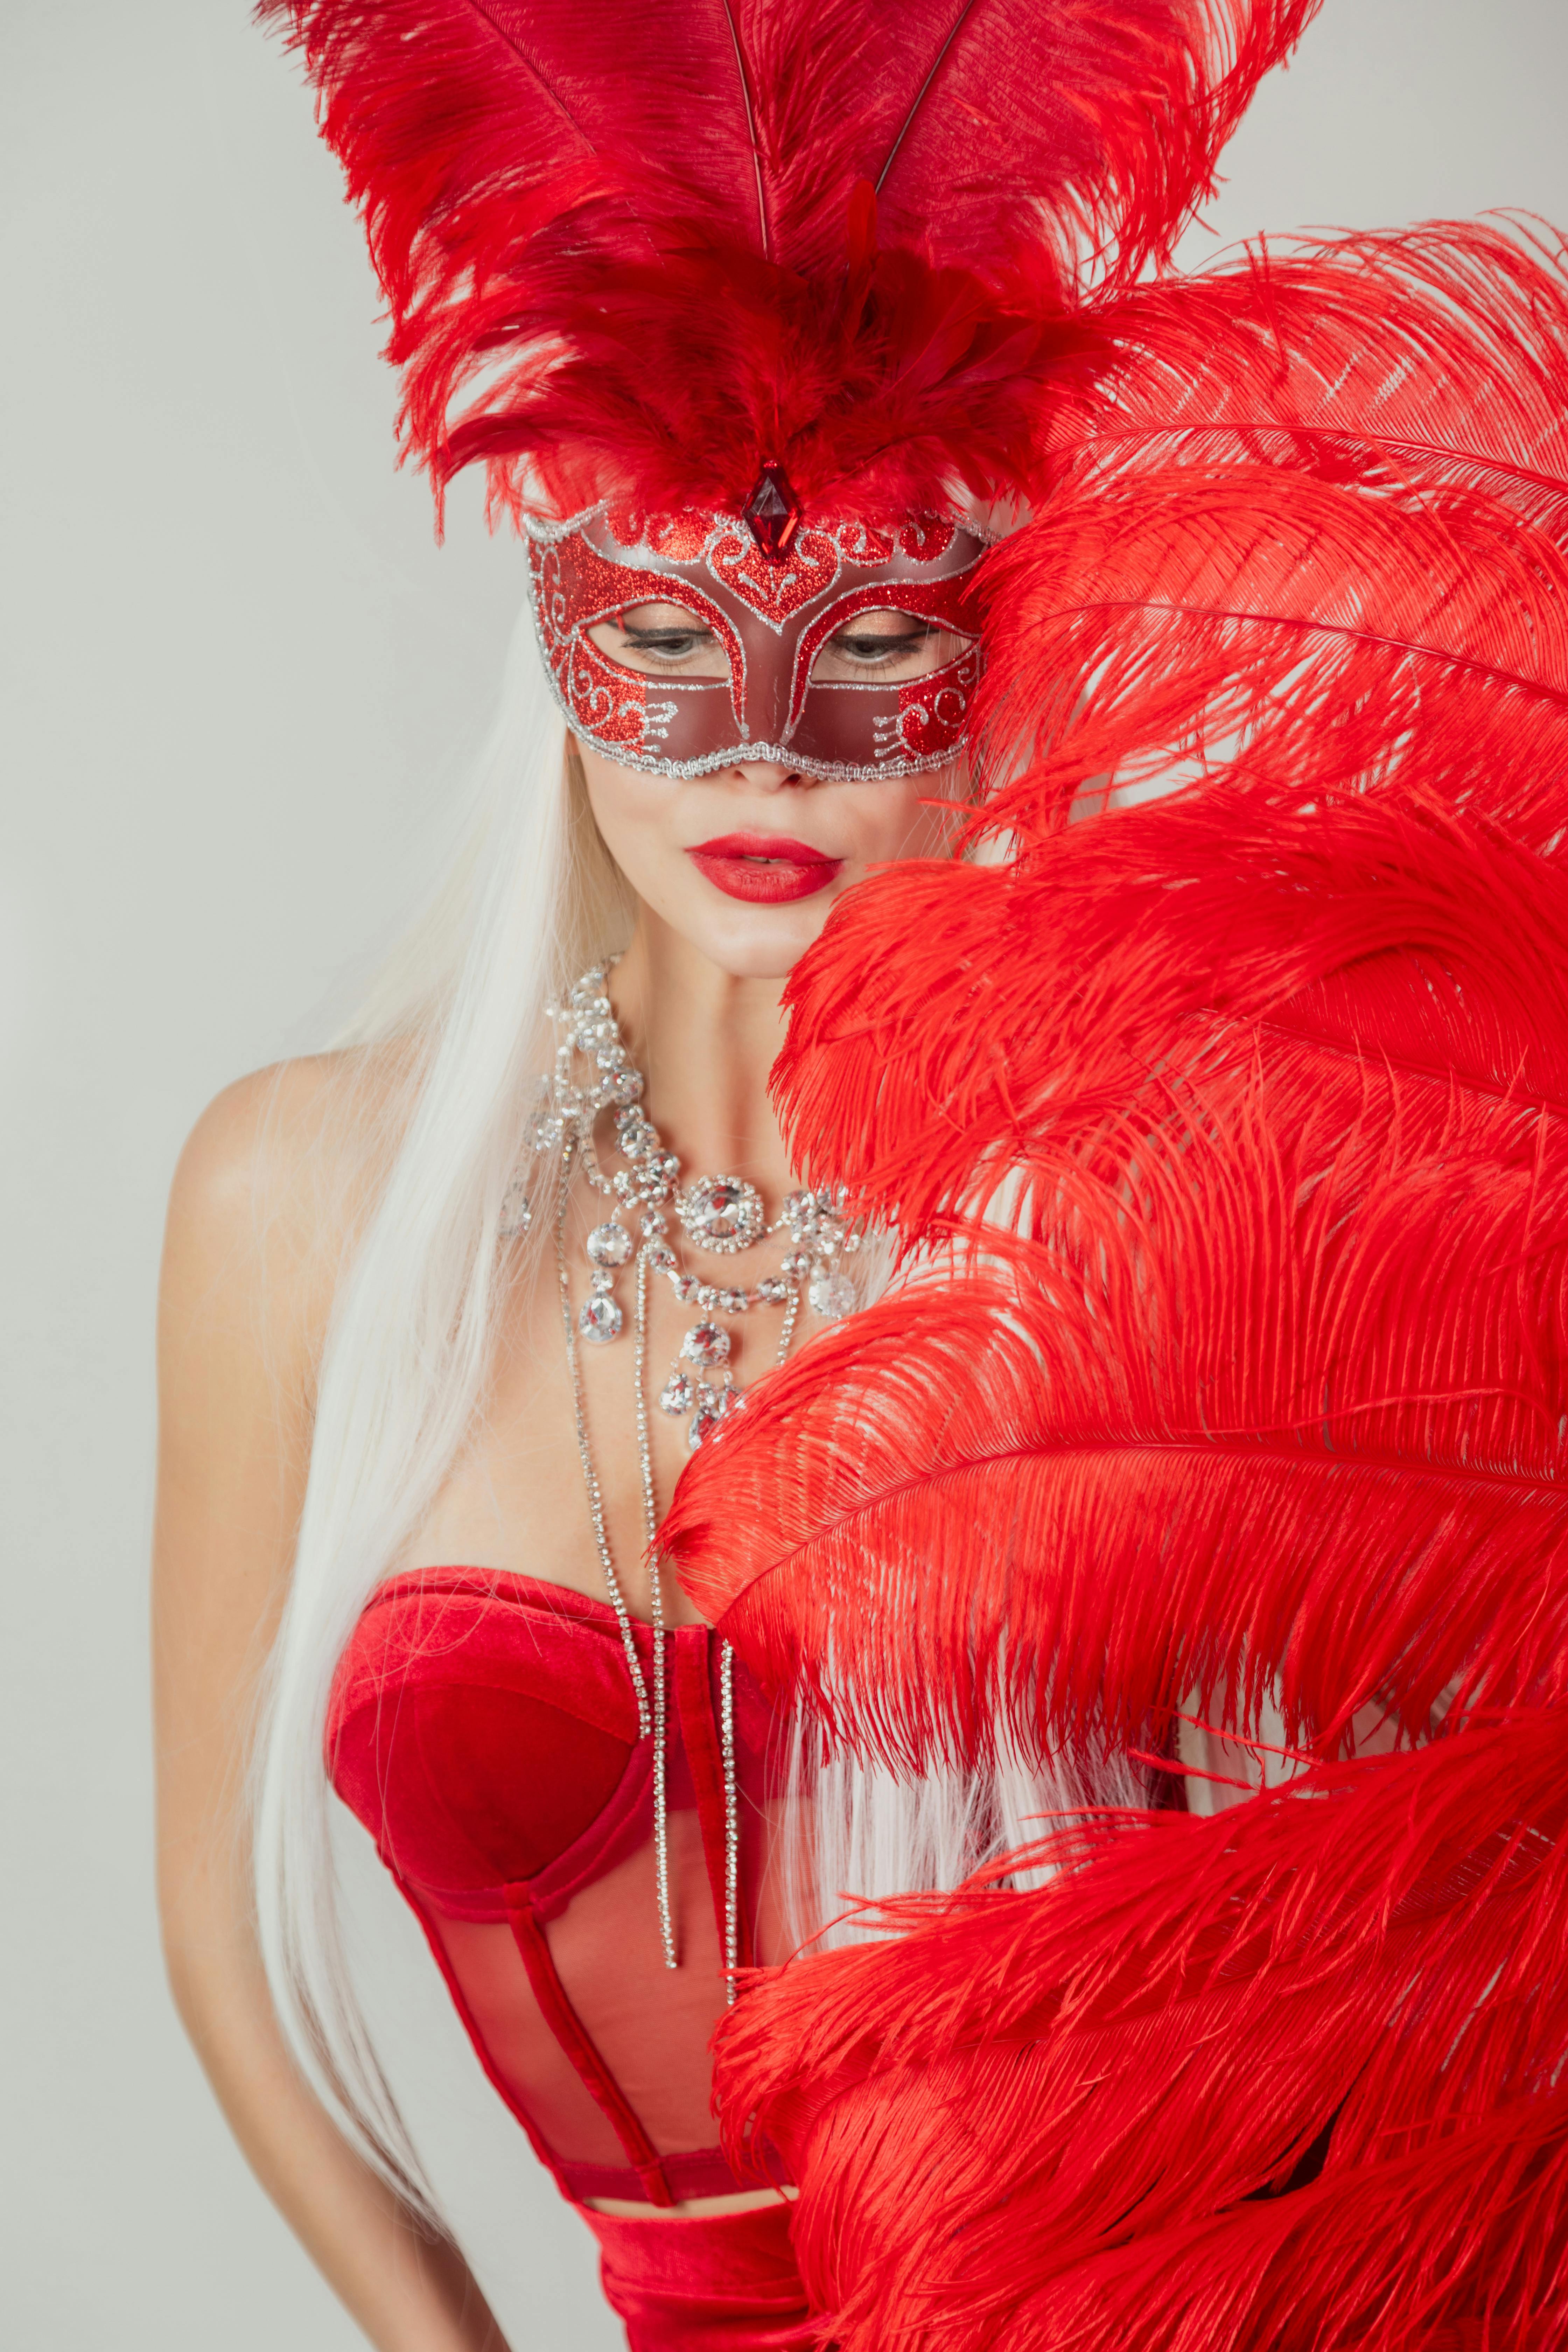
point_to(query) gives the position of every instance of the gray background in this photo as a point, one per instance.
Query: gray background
(238, 676)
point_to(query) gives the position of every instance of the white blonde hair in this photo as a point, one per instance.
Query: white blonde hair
(531, 897)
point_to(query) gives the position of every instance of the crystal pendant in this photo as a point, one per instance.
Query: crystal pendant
(679, 1393)
(608, 1245)
(600, 1320)
(516, 1214)
(706, 1343)
(831, 1294)
(771, 513)
(722, 1214)
(702, 1424)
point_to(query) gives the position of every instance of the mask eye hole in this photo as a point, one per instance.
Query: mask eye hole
(886, 643)
(661, 640)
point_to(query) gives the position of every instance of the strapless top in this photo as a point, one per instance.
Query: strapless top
(484, 1729)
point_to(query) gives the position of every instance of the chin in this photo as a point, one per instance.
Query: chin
(757, 942)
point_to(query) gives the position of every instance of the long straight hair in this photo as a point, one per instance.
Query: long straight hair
(530, 898)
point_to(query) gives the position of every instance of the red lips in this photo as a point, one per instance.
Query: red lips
(768, 868)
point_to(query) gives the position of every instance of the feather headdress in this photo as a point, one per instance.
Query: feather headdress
(637, 252)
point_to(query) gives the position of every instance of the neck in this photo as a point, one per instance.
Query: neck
(705, 1041)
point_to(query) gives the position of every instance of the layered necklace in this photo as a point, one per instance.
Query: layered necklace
(592, 1073)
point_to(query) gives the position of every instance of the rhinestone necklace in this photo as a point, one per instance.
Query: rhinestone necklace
(720, 1213)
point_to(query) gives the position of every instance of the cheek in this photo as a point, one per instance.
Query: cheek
(898, 820)
(634, 814)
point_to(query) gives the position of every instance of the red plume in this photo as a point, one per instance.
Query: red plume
(1289, 2077)
(624, 238)
(1270, 1405)
(1311, 524)
(1413, 359)
(1233, 1237)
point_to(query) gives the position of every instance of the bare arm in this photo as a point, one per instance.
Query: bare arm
(246, 1291)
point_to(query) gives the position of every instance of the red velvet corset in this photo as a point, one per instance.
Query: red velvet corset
(484, 1729)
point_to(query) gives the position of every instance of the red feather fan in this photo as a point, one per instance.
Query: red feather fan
(1246, 1113)
(1269, 1402)
(1227, 1232)
(642, 248)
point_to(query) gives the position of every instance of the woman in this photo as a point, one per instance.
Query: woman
(731, 872)
(759, 326)
(752, 347)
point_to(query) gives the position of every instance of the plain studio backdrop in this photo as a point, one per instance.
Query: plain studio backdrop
(239, 678)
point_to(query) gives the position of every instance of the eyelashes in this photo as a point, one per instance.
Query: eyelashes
(874, 649)
(871, 650)
(666, 644)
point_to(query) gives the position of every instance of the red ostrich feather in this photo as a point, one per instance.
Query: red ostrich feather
(1267, 1397)
(631, 254)
(1230, 1132)
(1284, 2078)
(1311, 522)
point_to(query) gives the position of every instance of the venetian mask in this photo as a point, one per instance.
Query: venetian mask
(770, 595)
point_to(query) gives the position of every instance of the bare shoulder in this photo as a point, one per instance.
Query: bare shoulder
(273, 1185)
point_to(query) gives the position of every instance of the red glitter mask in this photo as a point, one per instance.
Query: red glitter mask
(773, 610)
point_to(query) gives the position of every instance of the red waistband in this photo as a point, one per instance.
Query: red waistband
(710, 2283)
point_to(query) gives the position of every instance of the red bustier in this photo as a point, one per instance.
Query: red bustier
(484, 1729)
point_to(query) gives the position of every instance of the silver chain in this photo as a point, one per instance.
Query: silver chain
(656, 1613)
(590, 1477)
(653, 1714)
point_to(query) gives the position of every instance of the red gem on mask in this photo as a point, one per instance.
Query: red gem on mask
(771, 513)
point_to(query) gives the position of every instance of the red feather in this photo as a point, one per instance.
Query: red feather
(635, 246)
(1045, 990)
(1270, 1406)
(1294, 631)
(1286, 2077)
(1312, 523)
(1418, 358)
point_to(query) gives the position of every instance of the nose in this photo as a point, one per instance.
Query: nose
(767, 775)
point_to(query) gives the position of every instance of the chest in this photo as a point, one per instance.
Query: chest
(516, 1498)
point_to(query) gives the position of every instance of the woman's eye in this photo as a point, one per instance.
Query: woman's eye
(886, 641)
(661, 637)
(879, 646)
(664, 647)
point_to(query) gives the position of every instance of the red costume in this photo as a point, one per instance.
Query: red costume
(1234, 1125)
